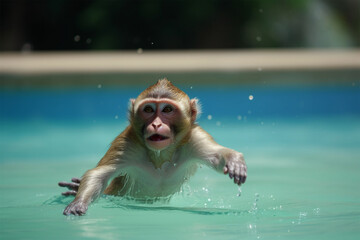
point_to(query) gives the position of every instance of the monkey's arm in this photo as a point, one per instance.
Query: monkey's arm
(91, 186)
(220, 158)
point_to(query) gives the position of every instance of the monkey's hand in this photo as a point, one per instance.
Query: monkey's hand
(73, 187)
(235, 166)
(76, 207)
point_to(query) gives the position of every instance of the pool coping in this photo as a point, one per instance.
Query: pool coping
(176, 61)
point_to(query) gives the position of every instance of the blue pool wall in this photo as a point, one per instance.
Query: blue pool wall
(292, 94)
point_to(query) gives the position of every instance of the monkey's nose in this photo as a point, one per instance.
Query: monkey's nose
(156, 126)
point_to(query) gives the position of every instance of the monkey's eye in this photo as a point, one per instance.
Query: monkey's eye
(167, 109)
(148, 109)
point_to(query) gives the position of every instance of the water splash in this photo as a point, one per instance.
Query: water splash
(239, 192)
(254, 207)
(316, 211)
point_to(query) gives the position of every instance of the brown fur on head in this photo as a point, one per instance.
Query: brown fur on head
(164, 90)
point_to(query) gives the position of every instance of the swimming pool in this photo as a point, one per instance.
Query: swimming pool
(301, 143)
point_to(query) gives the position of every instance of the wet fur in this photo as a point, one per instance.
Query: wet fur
(138, 172)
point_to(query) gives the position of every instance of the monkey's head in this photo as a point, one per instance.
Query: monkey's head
(162, 115)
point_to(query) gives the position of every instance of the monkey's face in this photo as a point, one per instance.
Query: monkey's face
(160, 117)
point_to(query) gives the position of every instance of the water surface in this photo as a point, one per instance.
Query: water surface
(302, 155)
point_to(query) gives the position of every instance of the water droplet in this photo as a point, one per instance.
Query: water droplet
(239, 192)
(259, 69)
(261, 10)
(116, 116)
(258, 38)
(99, 86)
(218, 123)
(239, 117)
(251, 97)
(209, 199)
(88, 41)
(209, 117)
(302, 214)
(77, 38)
(152, 43)
(191, 87)
(262, 123)
(316, 211)
(205, 189)
(139, 51)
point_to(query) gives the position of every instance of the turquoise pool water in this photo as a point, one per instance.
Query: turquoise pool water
(301, 146)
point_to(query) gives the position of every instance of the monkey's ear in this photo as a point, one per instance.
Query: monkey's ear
(131, 104)
(195, 109)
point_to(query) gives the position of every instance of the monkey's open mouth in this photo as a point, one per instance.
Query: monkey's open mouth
(157, 137)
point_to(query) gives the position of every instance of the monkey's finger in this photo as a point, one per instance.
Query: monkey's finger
(71, 186)
(231, 169)
(243, 174)
(237, 179)
(237, 170)
(76, 180)
(231, 173)
(226, 170)
(243, 179)
(69, 193)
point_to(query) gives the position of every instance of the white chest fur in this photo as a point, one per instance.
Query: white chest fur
(144, 180)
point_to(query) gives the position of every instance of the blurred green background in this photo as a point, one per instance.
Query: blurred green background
(44, 25)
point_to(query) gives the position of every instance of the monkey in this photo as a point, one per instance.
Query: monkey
(158, 151)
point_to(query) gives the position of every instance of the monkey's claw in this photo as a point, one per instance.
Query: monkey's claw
(76, 208)
(237, 170)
